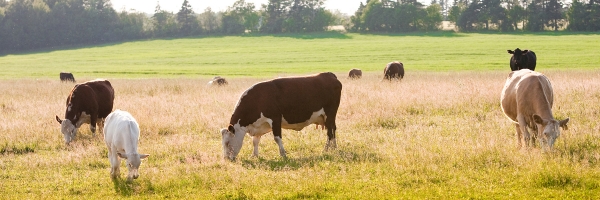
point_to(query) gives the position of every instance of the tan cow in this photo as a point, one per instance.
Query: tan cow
(527, 100)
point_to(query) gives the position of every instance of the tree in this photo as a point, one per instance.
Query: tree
(433, 20)
(187, 21)
(554, 14)
(209, 21)
(535, 16)
(577, 17)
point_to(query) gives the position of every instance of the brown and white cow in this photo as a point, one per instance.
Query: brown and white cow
(527, 100)
(354, 73)
(218, 81)
(89, 103)
(393, 70)
(290, 103)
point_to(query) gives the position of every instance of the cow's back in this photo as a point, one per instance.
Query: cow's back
(121, 129)
(104, 94)
(523, 91)
(296, 98)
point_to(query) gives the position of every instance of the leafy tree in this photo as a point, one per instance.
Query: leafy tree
(163, 22)
(515, 14)
(577, 16)
(187, 21)
(433, 20)
(554, 14)
(535, 16)
(209, 21)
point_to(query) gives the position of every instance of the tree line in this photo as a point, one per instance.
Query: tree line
(476, 15)
(34, 24)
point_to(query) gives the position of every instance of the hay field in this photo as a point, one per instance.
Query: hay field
(432, 135)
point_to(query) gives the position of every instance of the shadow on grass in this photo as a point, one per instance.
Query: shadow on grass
(338, 156)
(123, 187)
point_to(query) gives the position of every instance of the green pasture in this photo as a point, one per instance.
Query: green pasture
(274, 55)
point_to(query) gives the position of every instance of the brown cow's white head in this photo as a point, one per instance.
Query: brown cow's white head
(133, 164)
(549, 130)
(68, 129)
(233, 137)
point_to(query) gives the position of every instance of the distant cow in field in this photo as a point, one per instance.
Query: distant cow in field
(66, 76)
(217, 80)
(121, 135)
(394, 70)
(355, 73)
(290, 103)
(522, 59)
(89, 103)
(527, 100)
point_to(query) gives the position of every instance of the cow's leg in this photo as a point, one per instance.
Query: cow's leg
(255, 141)
(519, 135)
(276, 126)
(101, 124)
(93, 121)
(114, 164)
(523, 127)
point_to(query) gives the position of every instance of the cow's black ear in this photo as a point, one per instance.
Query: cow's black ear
(231, 129)
(58, 119)
(510, 51)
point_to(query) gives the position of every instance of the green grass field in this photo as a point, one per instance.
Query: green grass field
(437, 134)
(260, 55)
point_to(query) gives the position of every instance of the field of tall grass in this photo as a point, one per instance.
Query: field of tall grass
(431, 135)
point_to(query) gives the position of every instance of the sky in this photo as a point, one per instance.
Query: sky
(148, 6)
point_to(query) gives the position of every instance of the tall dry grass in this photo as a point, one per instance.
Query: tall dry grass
(433, 134)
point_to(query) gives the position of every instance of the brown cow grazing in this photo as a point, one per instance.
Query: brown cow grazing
(525, 59)
(290, 103)
(217, 80)
(89, 103)
(394, 70)
(527, 100)
(66, 76)
(355, 73)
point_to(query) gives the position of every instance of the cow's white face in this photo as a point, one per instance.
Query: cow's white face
(549, 130)
(133, 162)
(68, 129)
(233, 137)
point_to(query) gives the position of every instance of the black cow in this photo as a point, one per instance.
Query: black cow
(66, 76)
(525, 59)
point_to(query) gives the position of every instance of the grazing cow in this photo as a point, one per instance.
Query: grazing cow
(290, 103)
(355, 73)
(217, 80)
(121, 134)
(527, 100)
(89, 102)
(522, 59)
(66, 76)
(394, 70)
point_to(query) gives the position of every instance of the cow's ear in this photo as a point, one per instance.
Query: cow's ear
(122, 156)
(231, 129)
(538, 120)
(144, 156)
(58, 119)
(563, 123)
(525, 52)
(510, 51)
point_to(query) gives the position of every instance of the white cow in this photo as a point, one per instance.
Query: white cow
(121, 134)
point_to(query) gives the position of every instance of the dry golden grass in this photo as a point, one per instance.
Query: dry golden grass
(433, 134)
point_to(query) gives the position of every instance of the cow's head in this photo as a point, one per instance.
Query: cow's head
(67, 128)
(133, 164)
(520, 57)
(549, 130)
(233, 137)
